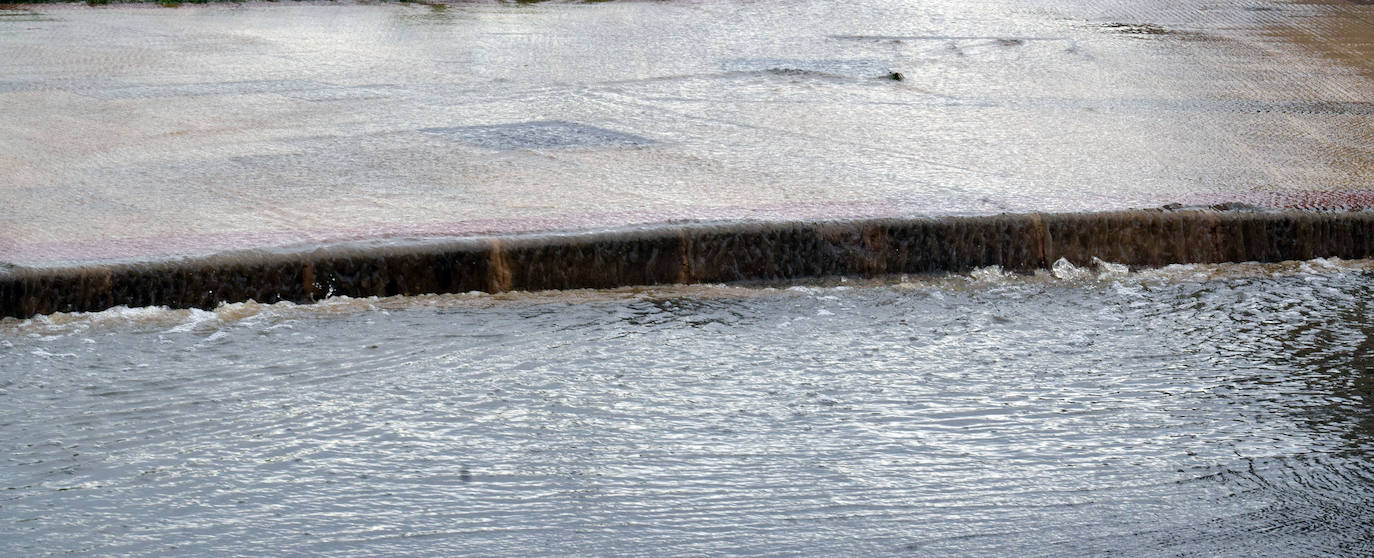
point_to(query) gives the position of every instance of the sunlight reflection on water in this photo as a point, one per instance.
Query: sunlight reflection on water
(1209, 409)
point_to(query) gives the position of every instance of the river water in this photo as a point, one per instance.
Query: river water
(189, 131)
(1192, 410)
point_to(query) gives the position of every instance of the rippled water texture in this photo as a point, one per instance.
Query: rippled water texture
(147, 132)
(1192, 411)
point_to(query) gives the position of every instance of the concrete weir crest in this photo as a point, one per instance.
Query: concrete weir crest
(699, 253)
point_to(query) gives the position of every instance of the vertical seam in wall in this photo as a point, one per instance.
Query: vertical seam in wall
(308, 279)
(499, 278)
(1041, 240)
(684, 274)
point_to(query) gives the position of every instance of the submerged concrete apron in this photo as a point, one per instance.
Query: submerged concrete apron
(201, 154)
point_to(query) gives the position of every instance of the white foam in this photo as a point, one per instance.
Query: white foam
(1065, 270)
(208, 322)
(1108, 269)
(989, 274)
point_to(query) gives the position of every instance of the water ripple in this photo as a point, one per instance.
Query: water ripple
(1216, 410)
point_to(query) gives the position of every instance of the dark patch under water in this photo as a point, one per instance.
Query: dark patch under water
(1168, 412)
(538, 135)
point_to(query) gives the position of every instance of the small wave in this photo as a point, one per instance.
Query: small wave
(1061, 273)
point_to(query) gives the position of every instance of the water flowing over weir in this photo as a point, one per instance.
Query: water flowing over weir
(219, 225)
(702, 254)
(478, 146)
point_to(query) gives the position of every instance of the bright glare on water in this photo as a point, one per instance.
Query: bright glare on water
(1194, 410)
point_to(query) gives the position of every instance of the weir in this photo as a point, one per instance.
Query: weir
(703, 253)
(320, 154)
(296, 152)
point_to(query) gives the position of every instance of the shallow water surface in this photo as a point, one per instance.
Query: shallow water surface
(191, 131)
(1194, 410)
